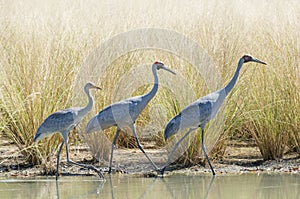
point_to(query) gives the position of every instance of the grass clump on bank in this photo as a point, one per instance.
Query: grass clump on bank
(34, 83)
(40, 58)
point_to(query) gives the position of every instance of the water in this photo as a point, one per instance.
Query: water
(123, 186)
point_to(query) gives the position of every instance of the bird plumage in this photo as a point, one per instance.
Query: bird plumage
(65, 120)
(198, 113)
(119, 114)
(58, 122)
(124, 113)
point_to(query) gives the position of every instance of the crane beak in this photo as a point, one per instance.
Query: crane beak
(258, 61)
(168, 69)
(96, 87)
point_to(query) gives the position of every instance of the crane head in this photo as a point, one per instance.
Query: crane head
(248, 58)
(90, 85)
(160, 65)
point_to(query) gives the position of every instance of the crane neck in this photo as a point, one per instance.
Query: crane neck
(89, 106)
(232, 82)
(154, 89)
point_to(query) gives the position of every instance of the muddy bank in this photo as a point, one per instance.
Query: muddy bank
(239, 158)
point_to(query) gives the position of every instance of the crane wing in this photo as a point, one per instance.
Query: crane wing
(103, 120)
(57, 122)
(197, 114)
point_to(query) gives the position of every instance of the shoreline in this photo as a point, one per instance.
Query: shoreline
(238, 159)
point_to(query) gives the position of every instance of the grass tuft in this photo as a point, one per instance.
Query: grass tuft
(42, 47)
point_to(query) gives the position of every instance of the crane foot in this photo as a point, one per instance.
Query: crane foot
(162, 171)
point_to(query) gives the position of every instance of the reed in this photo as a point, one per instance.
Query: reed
(35, 82)
(42, 49)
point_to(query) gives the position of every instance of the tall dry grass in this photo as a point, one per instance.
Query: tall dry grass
(42, 46)
(31, 86)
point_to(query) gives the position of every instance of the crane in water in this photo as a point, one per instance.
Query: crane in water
(63, 121)
(124, 114)
(199, 113)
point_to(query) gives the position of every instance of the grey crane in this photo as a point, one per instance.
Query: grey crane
(63, 121)
(197, 114)
(124, 114)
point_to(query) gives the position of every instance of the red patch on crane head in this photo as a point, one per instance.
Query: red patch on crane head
(158, 62)
(247, 58)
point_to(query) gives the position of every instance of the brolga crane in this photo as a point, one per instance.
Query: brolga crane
(124, 114)
(63, 121)
(199, 113)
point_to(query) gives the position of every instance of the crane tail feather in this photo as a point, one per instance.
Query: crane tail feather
(93, 125)
(40, 134)
(172, 127)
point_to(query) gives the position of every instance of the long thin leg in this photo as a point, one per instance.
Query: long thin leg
(58, 157)
(174, 149)
(112, 149)
(65, 137)
(141, 148)
(83, 165)
(204, 150)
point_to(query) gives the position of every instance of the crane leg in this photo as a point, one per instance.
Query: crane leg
(58, 157)
(112, 149)
(141, 148)
(206, 156)
(174, 149)
(65, 136)
(83, 165)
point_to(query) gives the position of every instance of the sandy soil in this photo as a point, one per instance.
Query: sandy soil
(239, 158)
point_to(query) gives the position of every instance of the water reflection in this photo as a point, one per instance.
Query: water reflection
(163, 188)
(156, 184)
(124, 186)
(98, 190)
(57, 190)
(142, 188)
(79, 188)
(272, 186)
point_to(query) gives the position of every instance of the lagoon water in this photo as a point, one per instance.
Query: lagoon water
(178, 186)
